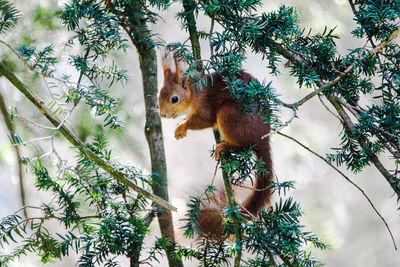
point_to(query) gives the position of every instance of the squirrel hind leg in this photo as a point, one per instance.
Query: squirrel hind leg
(221, 148)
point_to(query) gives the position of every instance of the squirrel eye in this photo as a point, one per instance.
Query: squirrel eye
(174, 99)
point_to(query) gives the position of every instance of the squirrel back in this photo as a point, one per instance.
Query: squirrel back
(210, 107)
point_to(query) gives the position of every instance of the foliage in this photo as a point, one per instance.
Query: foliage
(42, 61)
(276, 236)
(117, 226)
(98, 32)
(102, 219)
(8, 16)
(314, 60)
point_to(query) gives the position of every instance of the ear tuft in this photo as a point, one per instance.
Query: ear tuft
(166, 61)
(178, 68)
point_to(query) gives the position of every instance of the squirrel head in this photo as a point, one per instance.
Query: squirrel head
(174, 97)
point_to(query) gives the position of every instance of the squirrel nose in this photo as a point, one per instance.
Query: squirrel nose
(162, 114)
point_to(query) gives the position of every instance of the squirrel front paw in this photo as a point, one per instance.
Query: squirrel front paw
(180, 131)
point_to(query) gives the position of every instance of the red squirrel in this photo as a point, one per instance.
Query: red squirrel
(210, 107)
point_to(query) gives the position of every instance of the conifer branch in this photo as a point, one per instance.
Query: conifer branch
(348, 180)
(393, 181)
(189, 7)
(322, 86)
(297, 59)
(363, 141)
(76, 142)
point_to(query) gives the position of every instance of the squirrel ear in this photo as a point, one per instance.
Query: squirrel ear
(183, 82)
(165, 69)
(166, 62)
(178, 69)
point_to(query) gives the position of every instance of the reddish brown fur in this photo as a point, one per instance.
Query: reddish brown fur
(214, 107)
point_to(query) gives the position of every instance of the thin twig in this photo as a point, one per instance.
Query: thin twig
(294, 115)
(11, 130)
(47, 154)
(301, 54)
(328, 109)
(60, 105)
(17, 54)
(65, 118)
(34, 123)
(248, 212)
(33, 140)
(209, 38)
(348, 180)
(28, 207)
(348, 107)
(254, 189)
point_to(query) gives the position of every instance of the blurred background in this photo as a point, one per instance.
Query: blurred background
(333, 208)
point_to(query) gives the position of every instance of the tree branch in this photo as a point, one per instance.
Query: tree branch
(194, 38)
(363, 141)
(11, 130)
(189, 6)
(348, 180)
(142, 40)
(294, 115)
(76, 142)
(393, 181)
(322, 86)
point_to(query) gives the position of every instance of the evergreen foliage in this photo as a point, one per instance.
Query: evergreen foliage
(103, 219)
(9, 15)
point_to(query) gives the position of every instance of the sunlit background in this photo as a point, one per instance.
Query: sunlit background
(333, 208)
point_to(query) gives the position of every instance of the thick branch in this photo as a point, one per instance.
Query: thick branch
(189, 6)
(363, 141)
(154, 136)
(153, 128)
(76, 142)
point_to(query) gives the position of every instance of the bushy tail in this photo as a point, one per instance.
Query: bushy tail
(261, 194)
(210, 222)
(211, 218)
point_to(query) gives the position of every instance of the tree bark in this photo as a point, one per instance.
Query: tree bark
(188, 6)
(154, 136)
(132, 19)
